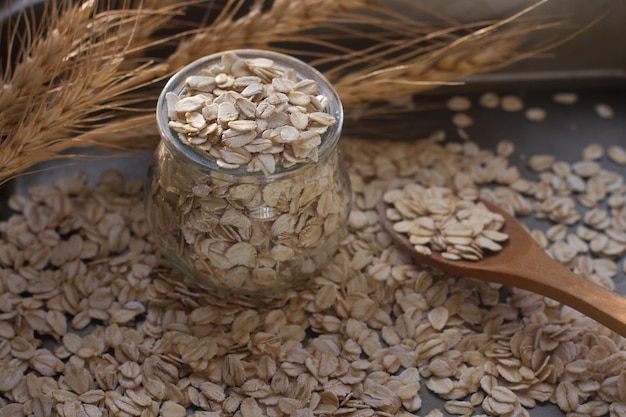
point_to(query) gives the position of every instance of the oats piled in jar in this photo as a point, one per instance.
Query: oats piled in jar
(435, 219)
(251, 113)
(267, 207)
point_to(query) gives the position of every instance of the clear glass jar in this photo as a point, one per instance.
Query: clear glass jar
(241, 233)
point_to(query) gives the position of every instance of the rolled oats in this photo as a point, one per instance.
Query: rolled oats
(434, 219)
(359, 342)
(511, 103)
(539, 163)
(565, 98)
(593, 151)
(459, 103)
(489, 100)
(243, 119)
(462, 120)
(505, 148)
(536, 114)
(463, 408)
(279, 216)
(617, 154)
(604, 110)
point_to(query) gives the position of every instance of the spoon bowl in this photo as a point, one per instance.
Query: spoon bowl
(522, 263)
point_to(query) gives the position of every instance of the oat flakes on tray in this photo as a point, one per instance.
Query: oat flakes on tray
(93, 321)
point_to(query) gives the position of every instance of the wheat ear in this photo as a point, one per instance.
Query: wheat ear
(371, 53)
(366, 50)
(70, 74)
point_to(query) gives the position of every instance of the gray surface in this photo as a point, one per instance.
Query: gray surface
(597, 55)
(565, 132)
(132, 165)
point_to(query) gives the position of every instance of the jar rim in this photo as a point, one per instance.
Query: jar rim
(176, 84)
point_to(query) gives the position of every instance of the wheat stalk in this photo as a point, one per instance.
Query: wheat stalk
(434, 58)
(365, 49)
(73, 70)
(399, 52)
(233, 28)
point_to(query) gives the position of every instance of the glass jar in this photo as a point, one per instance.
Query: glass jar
(240, 232)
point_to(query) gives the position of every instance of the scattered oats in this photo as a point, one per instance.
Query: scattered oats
(562, 252)
(605, 267)
(535, 114)
(565, 98)
(586, 168)
(617, 154)
(577, 243)
(556, 232)
(511, 103)
(540, 238)
(463, 134)
(489, 100)
(438, 317)
(505, 148)
(171, 409)
(462, 120)
(575, 183)
(361, 340)
(459, 103)
(598, 243)
(593, 151)
(540, 163)
(604, 111)
(462, 408)
(437, 136)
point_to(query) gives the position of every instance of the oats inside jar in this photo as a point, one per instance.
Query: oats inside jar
(248, 190)
(251, 113)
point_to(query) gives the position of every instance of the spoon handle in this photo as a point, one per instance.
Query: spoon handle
(535, 271)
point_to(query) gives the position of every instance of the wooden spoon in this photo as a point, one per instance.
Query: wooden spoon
(522, 263)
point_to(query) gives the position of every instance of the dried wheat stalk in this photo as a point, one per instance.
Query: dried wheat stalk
(73, 70)
(78, 83)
